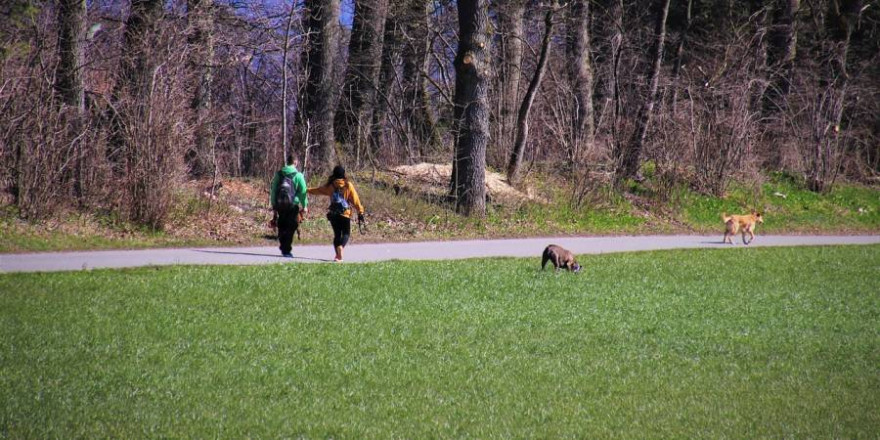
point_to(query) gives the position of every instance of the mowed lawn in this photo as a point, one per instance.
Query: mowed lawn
(743, 343)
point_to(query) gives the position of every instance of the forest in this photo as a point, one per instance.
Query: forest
(109, 105)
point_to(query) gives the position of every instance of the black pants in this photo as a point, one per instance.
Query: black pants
(341, 229)
(288, 223)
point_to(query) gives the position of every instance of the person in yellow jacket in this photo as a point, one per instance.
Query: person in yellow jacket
(343, 199)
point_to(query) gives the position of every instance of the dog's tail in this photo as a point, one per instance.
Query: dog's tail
(545, 258)
(725, 218)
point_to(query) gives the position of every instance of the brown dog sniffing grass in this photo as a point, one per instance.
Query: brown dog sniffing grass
(560, 257)
(744, 223)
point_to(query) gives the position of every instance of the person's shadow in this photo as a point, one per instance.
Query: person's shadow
(254, 254)
(713, 242)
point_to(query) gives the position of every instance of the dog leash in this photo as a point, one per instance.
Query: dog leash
(362, 226)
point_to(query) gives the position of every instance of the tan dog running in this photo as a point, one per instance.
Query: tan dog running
(744, 223)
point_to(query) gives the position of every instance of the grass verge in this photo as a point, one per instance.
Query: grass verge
(762, 342)
(239, 215)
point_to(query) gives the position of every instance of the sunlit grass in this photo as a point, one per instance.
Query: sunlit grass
(787, 207)
(744, 343)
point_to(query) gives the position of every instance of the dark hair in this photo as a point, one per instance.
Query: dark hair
(338, 173)
(291, 159)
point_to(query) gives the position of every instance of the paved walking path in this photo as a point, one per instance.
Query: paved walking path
(356, 253)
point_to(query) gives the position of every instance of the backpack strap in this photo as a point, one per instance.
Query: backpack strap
(295, 181)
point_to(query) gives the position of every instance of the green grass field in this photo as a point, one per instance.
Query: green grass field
(742, 343)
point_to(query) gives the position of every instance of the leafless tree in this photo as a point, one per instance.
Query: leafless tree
(840, 20)
(679, 54)
(285, 86)
(511, 15)
(781, 52)
(522, 120)
(628, 157)
(69, 81)
(141, 30)
(355, 107)
(416, 46)
(105, 106)
(580, 76)
(318, 101)
(471, 113)
(608, 47)
(71, 38)
(200, 15)
(380, 125)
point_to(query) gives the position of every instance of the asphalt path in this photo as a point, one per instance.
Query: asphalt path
(358, 253)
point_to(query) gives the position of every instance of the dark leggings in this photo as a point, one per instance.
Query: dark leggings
(341, 229)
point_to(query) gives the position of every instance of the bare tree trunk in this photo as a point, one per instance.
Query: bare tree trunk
(577, 51)
(510, 26)
(629, 157)
(608, 46)
(679, 55)
(318, 101)
(71, 37)
(285, 87)
(140, 29)
(200, 14)
(390, 57)
(136, 69)
(150, 156)
(415, 84)
(840, 20)
(471, 108)
(781, 54)
(362, 76)
(69, 80)
(522, 121)
(760, 12)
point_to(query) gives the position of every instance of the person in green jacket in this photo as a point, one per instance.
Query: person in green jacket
(287, 195)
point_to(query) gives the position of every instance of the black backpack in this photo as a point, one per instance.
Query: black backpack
(285, 193)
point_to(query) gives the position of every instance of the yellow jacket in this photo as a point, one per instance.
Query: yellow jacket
(348, 192)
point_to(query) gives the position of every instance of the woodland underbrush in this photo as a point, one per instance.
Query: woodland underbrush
(402, 206)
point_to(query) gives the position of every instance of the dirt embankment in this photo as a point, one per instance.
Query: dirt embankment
(434, 179)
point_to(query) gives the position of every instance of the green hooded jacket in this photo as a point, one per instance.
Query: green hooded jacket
(299, 183)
